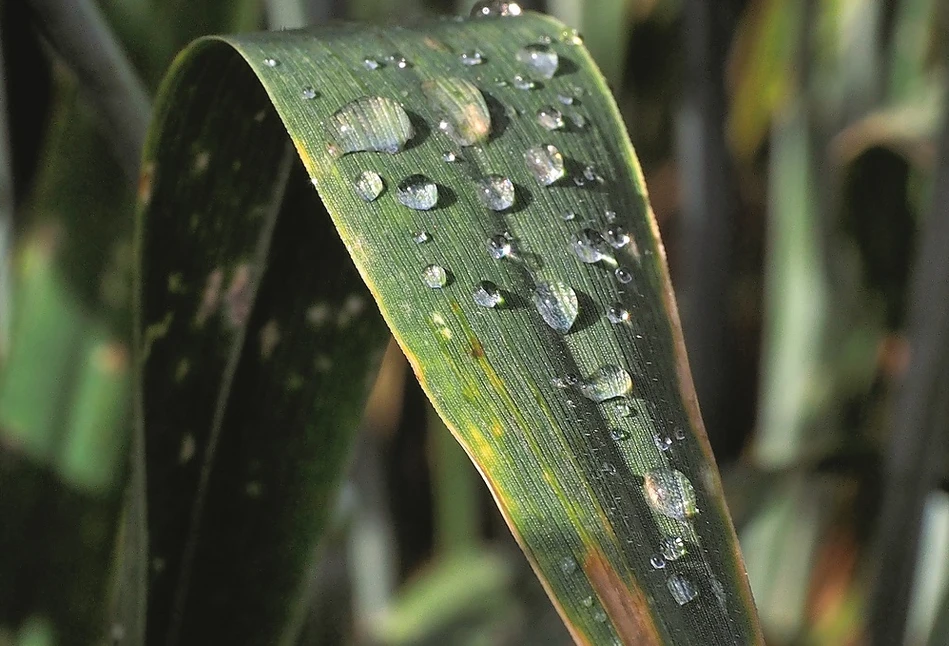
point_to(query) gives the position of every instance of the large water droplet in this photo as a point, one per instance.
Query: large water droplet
(550, 118)
(623, 275)
(487, 294)
(608, 382)
(545, 163)
(495, 9)
(418, 192)
(617, 314)
(435, 276)
(371, 123)
(681, 589)
(669, 492)
(465, 116)
(368, 185)
(540, 58)
(499, 246)
(590, 246)
(496, 192)
(673, 548)
(557, 304)
(471, 58)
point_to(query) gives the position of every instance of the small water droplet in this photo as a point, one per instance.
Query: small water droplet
(657, 562)
(421, 237)
(308, 93)
(540, 58)
(673, 548)
(522, 83)
(681, 589)
(435, 276)
(623, 275)
(449, 157)
(578, 120)
(599, 616)
(566, 99)
(495, 9)
(609, 215)
(550, 118)
(371, 64)
(590, 174)
(271, 62)
(496, 192)
(487, 294)
(670, 492)
(608, 468)
(368, 185)
(473, 57)
(679, 434)
(398, 60)
(499, 246)
(545, 163)
(571, 36)
(617, 236)
(557, 304)
(662, 442)
(465, 116)
(586, 602)
(418, 192)
(568, 565)
(617, 314)
(568, 216)
(607, 382)
(618, 434)
(590, 247)
(567, 381)
(370, 123)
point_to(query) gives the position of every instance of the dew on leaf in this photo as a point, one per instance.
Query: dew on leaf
(590, 247)
(568, 565)
(670, 492)
(370, 123)
(550, 118)
(557, 304)
(545, 163)
(623, 275)
(657, 562)
(368, 185)
(462, 108)
(271, 62)
(418, 192)
(617, 314)
(522, 83)
(616, 236)
(540, 58)
(308, 93)
(682, 590)
(673, 548)
(471, 58)
(607, 382)
(499, 246)
(435, 276)
(421, 237)
(487, 294)
(495, 9)
(496, 192)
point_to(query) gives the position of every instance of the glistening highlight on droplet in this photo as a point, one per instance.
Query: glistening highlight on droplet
(370, 123)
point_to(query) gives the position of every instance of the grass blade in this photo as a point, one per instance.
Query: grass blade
(573, 476)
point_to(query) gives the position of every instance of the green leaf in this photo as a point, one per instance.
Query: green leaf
(590, 490)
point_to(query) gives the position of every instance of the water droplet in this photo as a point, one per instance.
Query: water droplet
(590, 174)
(673, 548)
(421, 237)
(682, 589)
(567, 381)
(571, 36)
(608, 382)
(495, 9)
(487, 294)
(450, 157)
(499, 246)
(522, 83)
(679, 434)
(398, 60)
(370, 123)
(460, 104)
(662, 442)
(623, 409)
(568, 216)
(557, 304)
(618, 434)
(617, 236)
(368, 185)
(545, 163)
(566, 99)
(586, 602)
(471, 58)
(371, 64)
(623, 275)
(540, 58)
(550, 118)
(435, 276)
(496, 192)
(418, 192)
(599, 616)
(617, 314)
(669, 492)
(657, 562)
(271, 62)
(590, 247)
(308, 93)
(609, 215)
(568, 565)
(608, 468)
(578, 120)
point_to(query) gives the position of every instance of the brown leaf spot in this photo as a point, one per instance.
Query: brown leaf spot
(625, 604)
